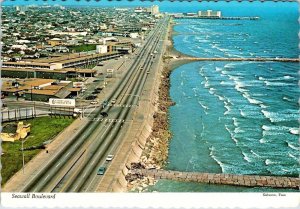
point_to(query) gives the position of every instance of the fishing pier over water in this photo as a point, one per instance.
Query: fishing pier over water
(221, 178)
(216, 18)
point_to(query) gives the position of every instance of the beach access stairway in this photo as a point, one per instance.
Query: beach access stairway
(221, 178)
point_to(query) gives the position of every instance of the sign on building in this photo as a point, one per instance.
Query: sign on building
(78, 84)
(62, 102)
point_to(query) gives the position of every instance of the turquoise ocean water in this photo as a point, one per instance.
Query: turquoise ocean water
(235, 117)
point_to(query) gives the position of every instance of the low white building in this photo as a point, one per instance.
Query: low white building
(133, 35)
(100, 49)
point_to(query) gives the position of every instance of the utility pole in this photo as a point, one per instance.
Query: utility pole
(31, 93)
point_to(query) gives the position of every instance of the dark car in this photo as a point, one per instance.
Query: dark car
(101, 170)
(91, 97)
(104, 103)
(99, 89)
(96, 92)
(104, 114)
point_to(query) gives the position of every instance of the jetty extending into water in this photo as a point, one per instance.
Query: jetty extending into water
(255, 59)
(221, 178)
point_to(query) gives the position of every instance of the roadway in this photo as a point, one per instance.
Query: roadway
(73, 168)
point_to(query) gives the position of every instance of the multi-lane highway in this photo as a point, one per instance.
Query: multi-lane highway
(74, 167)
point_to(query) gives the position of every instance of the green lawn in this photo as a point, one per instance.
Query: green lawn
(42, 129)
(83, 48)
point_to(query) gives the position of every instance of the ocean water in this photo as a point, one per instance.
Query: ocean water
(235, 117)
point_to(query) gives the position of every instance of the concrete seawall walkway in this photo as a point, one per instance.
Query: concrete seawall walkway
(229, 179)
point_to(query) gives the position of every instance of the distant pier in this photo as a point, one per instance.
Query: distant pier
(217, 18)
(222, 178)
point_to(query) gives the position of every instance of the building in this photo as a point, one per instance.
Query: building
(100, 49)
(36, 89)
(209, 13)
(154, 10)
(55, 42)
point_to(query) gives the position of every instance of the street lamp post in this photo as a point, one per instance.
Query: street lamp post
(23, 155)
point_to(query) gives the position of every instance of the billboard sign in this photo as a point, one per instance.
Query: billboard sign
(78, 84)
(62, 102)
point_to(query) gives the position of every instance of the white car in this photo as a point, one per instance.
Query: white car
(109, 157)
(113, 101)
(94, 102)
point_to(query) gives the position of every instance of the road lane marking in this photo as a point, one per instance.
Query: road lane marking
(57, 164)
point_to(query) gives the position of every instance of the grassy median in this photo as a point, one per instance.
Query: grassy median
(42, 130)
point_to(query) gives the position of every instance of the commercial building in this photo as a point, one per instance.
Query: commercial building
(154, 9)
(37, 89)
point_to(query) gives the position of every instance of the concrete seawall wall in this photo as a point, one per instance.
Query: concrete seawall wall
(138, 144)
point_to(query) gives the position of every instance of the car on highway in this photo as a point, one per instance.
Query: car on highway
(104, 103)
(109, 157)
(104, 114)
(94, 102)
(91, 97)
(113, 101)
(96, 91)
(101, 170)
(148, 71)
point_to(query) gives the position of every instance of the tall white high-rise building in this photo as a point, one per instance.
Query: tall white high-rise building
(155, 9)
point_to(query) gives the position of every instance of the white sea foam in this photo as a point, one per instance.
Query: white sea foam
(288, 99)
(228, 109)
(238, 130)
(221, 98)
(235, 122)
(207, 85)
(294, 131)
(262, 141)
(254, 153)
(231, 134)
(203, 106)
(242, 113)
(263, 106)
(212, 91)
(269, 162)
(218, 69)
(212, 151)
(246, 157)
(294, 157)
(269, 83)
(224, 83)
(240, 87)
(251, 100)
(287, 115)
(292, 146)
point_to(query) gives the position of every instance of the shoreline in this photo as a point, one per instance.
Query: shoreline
(156, 150)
